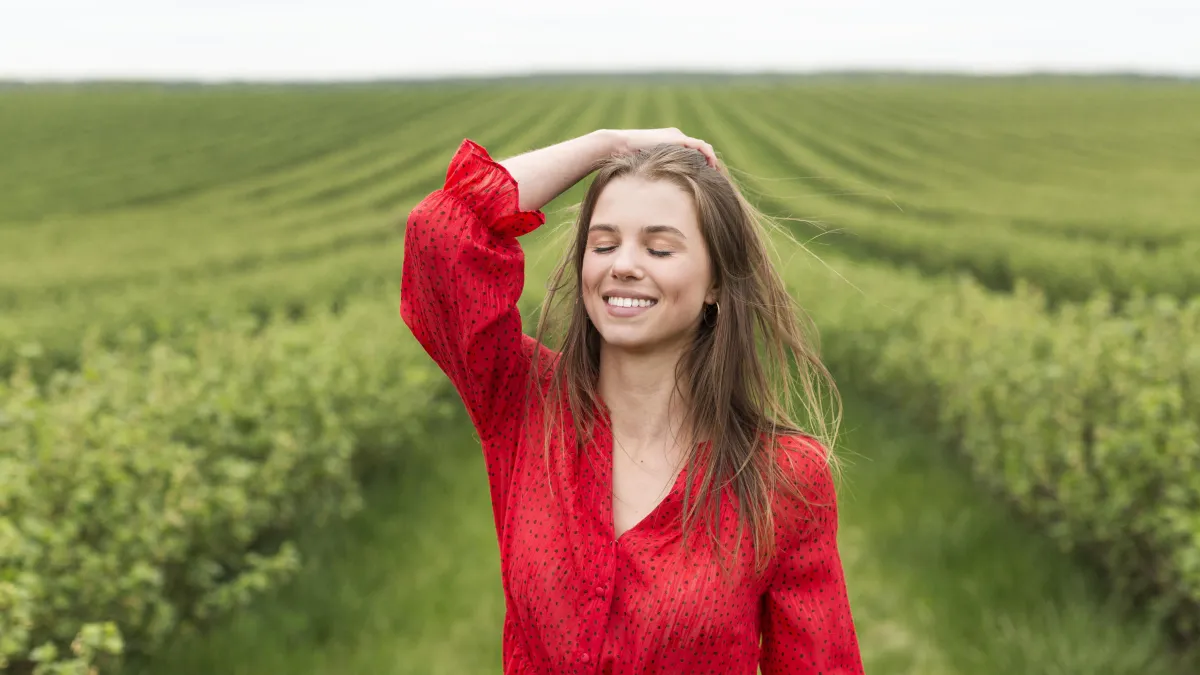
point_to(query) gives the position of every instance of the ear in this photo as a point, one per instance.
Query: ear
(711, 296)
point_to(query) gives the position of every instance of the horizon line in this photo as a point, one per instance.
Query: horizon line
(441, 78)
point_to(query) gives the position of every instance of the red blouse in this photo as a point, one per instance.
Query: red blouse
(578, 601)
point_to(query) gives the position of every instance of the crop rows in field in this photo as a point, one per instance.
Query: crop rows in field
(127, 244)
(822, 150)
(845, 214)
(989, 178)
(1020, 171)
(279, 264)
(339, 202)
(235, 240)
(87, 151)
(813, 158)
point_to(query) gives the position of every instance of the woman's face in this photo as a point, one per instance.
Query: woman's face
(646, 269)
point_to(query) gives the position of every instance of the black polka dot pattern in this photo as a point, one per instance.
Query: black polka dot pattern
(578, 601)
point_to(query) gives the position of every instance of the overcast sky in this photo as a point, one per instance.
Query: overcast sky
(338, 39)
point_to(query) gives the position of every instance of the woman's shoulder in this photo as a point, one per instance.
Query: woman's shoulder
(806, 481)
(802, 457)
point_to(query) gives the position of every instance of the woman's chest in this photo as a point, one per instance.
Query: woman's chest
(638, 488)
(566, 571)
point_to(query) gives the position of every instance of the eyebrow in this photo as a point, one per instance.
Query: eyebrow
(648, 229)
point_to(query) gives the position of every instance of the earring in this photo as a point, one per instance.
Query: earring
(712, 323)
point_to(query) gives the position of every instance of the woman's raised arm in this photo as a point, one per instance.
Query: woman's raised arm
(546, 173)
(462, 274)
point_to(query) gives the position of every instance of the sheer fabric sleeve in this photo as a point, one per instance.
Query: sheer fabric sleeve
(463, 273)
(806, 620)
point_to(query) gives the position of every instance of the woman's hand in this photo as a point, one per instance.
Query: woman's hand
(632, 140)
(542, 175)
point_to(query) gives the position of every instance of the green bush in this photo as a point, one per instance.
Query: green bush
(1086, 417)
(156, 489)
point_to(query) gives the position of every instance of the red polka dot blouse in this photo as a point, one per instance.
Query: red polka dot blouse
(577, 599)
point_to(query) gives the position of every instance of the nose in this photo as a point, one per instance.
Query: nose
(625, 263)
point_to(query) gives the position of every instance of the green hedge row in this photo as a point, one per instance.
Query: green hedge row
(1086, 417)
(48, 338)
(159, 487)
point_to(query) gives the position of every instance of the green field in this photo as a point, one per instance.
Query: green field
(199, 328)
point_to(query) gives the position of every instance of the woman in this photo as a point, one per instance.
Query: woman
(657, 414)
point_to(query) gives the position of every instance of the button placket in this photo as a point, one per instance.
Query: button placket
(590, 647)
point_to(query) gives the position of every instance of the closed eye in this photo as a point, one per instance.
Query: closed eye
(653, 252)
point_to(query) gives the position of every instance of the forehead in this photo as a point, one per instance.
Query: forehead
(630, 203)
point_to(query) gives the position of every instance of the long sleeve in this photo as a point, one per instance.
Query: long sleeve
(463, 273)
(806, 620)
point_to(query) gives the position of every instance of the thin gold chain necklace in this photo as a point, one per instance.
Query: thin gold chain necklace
(669, 485)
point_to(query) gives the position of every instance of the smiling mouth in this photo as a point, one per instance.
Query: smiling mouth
(617, 301)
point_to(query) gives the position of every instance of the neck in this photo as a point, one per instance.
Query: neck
(647, 413)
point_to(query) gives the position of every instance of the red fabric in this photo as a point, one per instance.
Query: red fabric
(576, 600)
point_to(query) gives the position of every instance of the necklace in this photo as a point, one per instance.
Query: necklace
(668, 486)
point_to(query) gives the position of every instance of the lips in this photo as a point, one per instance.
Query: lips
(627, 307)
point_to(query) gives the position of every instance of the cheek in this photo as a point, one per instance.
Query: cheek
(589, 272)
(684, 281)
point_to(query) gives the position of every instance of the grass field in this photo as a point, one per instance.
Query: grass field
(139, 212)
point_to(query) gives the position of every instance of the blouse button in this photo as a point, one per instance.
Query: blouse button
(601, 589)
(585, 657)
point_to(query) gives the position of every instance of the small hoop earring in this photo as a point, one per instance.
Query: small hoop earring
(713, 322)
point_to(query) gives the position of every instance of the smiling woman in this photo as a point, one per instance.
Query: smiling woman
(645, 259)
(657, 411)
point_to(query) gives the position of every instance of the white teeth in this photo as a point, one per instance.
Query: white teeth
(631, 302)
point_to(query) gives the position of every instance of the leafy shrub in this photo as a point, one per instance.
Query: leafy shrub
(157, 489)
(1086, 417)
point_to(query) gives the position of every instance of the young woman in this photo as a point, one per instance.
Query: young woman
(656, 510)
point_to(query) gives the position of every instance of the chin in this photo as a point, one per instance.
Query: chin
(622, 338)
(640, 340)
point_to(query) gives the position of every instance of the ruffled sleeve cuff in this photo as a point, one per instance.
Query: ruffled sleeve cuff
(489, 191)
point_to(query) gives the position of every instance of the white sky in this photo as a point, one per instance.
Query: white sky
(304, 39)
